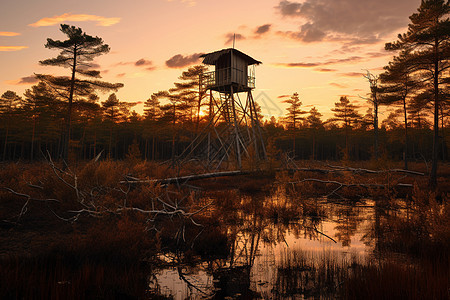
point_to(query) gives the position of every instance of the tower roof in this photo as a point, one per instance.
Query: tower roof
(213, 57)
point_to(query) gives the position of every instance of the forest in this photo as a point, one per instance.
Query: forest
(33, 124)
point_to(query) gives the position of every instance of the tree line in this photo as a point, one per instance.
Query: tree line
(35, 123)
(63, 115)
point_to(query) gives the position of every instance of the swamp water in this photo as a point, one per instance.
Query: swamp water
(276, 247)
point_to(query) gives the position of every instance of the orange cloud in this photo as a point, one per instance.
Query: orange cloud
(101, 21)
(12, 48)
(7, 33)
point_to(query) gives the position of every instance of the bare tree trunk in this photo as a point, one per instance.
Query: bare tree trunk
(375, 126)
(405, 152)
(14, 151)
(442, 133)
(434, 162)
(65, 154)
(153, 148)
(95, 144)
(82, 146)
(110, 144)
(6, 142)
(32, 139)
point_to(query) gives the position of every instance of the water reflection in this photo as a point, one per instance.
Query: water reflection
(272, 246)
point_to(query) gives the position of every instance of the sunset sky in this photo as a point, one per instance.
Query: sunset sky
(318, 48)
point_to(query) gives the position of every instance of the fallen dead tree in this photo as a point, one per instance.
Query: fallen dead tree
(359, 170)
(340, 185)
(337, 169)
(291, 166)
(332, 179)
(184, 179)
(332, 169)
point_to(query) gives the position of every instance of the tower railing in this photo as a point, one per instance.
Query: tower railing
(251, 82)
(224, 77)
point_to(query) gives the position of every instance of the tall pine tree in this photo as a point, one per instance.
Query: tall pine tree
(76, 54)
(427, 39)
(9, 103)
(375, 101)
(294, 116)
(398, 86)
(346, 113)
(314, 123)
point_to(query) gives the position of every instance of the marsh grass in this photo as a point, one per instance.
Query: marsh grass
(308, 275)
(325, 275)
(101, 263)
(396, 281)
(71, 276)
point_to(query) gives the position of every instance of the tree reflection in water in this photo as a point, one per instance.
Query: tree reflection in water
(253, 236)
(281, 246)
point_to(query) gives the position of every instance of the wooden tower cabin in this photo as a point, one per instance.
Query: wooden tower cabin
(233, 132)
(234, 71)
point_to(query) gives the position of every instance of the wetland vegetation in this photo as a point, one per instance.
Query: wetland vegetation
(264, 235)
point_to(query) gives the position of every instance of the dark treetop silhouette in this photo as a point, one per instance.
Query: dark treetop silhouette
(76, 53)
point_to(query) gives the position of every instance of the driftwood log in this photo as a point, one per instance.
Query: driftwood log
(332, 169)
(184, 179)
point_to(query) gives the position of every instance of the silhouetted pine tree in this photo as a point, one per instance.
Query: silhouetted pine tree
(76, 53)
(428, 41)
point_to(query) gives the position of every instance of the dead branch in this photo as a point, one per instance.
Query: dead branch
(184, 179)
(359, 170)
(288, 161)
(319, 232)
(154, 212)
(341, 184)
(71, 219)
(337, 169)
(191, 285)
(57, 171)
(36, 186)
(29, 198)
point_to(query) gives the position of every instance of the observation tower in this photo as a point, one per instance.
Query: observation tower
(233, 131)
